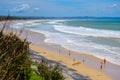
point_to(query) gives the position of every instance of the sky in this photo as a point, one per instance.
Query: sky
(60, 8)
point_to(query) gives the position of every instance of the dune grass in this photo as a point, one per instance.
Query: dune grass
(15, 62)
(14, 57)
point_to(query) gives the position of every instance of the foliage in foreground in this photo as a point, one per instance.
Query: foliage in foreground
(34, 75)
(14, 58)
(50, 72)
(15, 63)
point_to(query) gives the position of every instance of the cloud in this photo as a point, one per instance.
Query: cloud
(21, 8)
(36, 9)
(114, 5)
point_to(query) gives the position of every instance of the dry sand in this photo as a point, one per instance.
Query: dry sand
(76, 65)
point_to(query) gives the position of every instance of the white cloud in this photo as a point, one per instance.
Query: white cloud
(21, 7)
(114, 5)
(36, 9)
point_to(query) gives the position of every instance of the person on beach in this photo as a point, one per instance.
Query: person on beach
(83, 60)
(73, 59)
(59, 51)
(69, 52)
(104, 61)
(101, 63)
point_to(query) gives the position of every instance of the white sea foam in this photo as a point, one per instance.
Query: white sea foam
(77, 39)
(87, 31)
(55, 22)
(84, 46)
(26, 24)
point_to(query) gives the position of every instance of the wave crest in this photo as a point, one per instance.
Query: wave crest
(82, 31)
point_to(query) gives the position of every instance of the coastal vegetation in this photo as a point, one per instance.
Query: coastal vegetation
(45, 71)
(50, 72)
(14, 58)
(3, 18)
(15, 61)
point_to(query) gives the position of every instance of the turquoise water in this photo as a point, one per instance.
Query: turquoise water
(97, 37)
(107, 24)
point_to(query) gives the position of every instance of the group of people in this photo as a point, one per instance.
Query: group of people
(69, 52)
(103, 63)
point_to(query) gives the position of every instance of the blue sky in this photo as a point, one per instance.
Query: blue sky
(60, 8)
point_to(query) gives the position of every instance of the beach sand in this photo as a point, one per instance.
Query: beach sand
(90, 67)
(67, 61)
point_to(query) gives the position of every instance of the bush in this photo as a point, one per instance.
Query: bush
(34, 76)
(49, 72)
(14, 58)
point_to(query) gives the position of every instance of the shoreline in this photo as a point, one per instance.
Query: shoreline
(86, 53)
(47, 48)
(91, 62)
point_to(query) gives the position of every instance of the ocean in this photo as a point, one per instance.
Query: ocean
(97, 37)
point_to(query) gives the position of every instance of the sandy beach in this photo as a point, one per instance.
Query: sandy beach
(90, 67)
(79, 67)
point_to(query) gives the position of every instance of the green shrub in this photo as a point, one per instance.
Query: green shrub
(34, 76)
(49, 72)
(14, 58)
